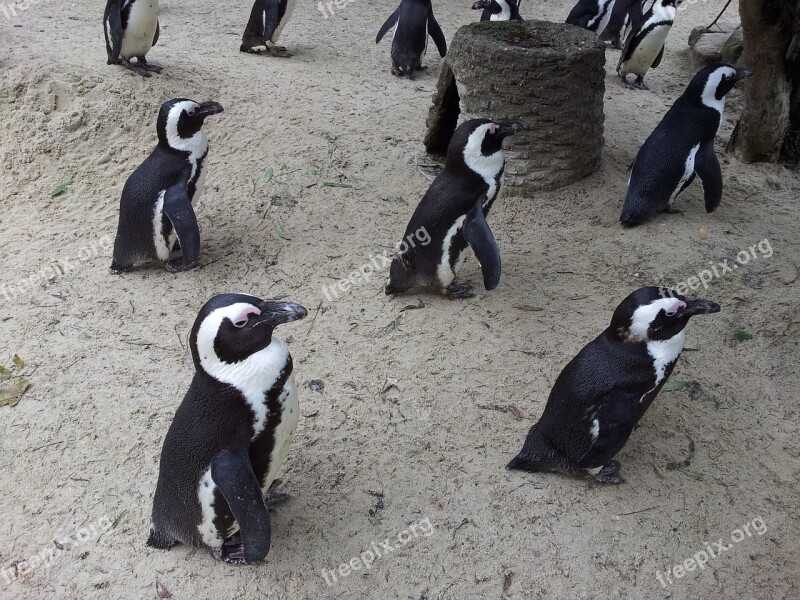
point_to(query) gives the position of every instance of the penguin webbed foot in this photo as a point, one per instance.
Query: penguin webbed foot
(137, 68)
(176, 266)
(609, 474)
(143, 64)
(273, 497)
(231, 551)
(280, 52)
(459, 291)
(639, 83)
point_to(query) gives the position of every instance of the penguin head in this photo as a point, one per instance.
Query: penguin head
(656, 313)
(231, 327)
(491, 5)
(666, 8)
(478, 144)
(711, 83)
(180, 119)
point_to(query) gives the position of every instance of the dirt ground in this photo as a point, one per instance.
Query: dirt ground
(421, 409)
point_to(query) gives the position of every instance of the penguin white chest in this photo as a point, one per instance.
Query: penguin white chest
(445, 272)
(664, 353)
(141, 28)
(284, 432)
(646, 51)
(688, 171)
(286, 15)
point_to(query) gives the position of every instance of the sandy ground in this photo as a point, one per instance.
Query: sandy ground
(422, 406)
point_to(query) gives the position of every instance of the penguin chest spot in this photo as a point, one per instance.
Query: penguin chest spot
(141, 28)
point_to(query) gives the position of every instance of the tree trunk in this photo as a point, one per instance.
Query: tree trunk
(769, 129)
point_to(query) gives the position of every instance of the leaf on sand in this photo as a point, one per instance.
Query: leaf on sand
(268, 176)
(672, 386)
(19, 363)
(18, 388)
(119, 518)
(5, 397)
(693, 474)
(335, 184)
(162, 591)
(740, 335)
(59, 189)
(5, 374)
(282, 232)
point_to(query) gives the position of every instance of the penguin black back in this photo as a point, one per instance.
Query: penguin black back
(414, 21)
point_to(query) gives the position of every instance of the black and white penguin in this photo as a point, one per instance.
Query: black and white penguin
(625, 13)
(131, 29)
(605, 390)
(231, 434)
(591, 14)
(644, 46)
(415, 21)
(267, 20)
(155, 210)
(453, 213)
(680, 147)
(499, 10)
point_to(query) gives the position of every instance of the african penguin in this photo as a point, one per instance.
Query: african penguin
(591, 14)
(155, 210)
(131, 29)
(626, 12)
(415, 21)
(605, 390)
(453, 212)
(231, 434)
(680, 147)
(267, 20)
(499, 10)
(644, 46)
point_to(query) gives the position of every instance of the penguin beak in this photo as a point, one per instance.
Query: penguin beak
(481, 4)
(277, 313)
(207, 109)
(742, 73)
(507, 128)
(698, 306)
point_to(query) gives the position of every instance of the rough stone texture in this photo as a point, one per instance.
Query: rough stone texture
(723, 43)
(733, 47)
(549, 76)
(708, 47)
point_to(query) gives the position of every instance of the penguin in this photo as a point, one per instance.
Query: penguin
(625, 13)
(644, 46)
(605, 390)
(267, 20)
(231, 434)
(415, 22)
(499, 10)
(680, 147)
(155, 210)
(591, 14)
(453, 213)
(131, 29)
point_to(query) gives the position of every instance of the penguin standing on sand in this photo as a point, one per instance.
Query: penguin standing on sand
(591, 14)
(231, 434)
(131, 29)
(267, 20)
(499, 10)
(605, 390)
(155, 210)
(644, 46)
(625, 13)
(453, 212)
(680, 147)
(415, 21)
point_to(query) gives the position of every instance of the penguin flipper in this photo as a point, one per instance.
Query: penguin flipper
(158, 31)
(615, 418)
(112, 23)
(390, 22)
(481, 239)
(436, 33)
(271, 18)
(178, 209)
(657, 61)
(706, 166)
(233, 474)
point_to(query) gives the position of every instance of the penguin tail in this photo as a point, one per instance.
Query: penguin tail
(635, 212)
(160, 540)
(538, 455)
(528, 462)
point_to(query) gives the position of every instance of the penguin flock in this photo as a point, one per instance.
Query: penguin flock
(232, 432)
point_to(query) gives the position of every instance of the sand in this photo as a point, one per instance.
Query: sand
(421, 406)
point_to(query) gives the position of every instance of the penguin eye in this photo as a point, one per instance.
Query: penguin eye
(240, 322)
(190, 112)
